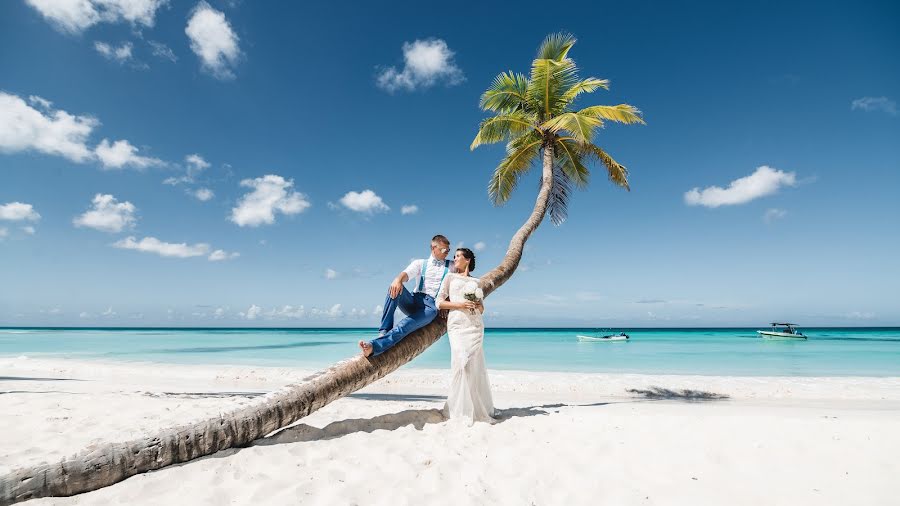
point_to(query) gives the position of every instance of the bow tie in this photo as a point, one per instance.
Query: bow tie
(437, 263)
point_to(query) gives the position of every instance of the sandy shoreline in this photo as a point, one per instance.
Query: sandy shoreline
(564, 437)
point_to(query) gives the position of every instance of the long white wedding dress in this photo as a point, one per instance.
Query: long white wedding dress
(469, 399)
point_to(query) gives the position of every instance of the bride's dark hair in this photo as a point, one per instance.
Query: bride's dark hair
(467, 253)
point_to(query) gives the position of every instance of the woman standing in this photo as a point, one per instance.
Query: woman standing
(469, 399)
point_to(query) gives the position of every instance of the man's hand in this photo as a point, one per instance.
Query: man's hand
(395, 288)
(442, 314)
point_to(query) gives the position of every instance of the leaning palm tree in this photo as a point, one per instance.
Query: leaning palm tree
(534, 114)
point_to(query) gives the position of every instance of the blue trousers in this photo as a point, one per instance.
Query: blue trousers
(419, 309)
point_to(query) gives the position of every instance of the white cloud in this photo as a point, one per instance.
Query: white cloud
(378, 309)
(364, 202)
(122, 153)
(162, 51)
(204, 194)
(411, 209)
(774, 214)
(109, 313)
(166, 249)
(426, 62)
(252, 312)
(219, 313)
(53, 132)
(18, 211)
(74, 16)
(119, 54)
(330, 274)
(213, 40)
(870, 104)
(219, 255)
(4, 232)
(84, 314)
(40, 128)
(107, 215)
(764, 181)
(479, 246)
(335, 311)
(196, 162)
(40, 102)
(195, 165)
(29, 230)
(270, 193)
(288, 311)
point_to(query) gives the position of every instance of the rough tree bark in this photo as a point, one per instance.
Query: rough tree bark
(104, 465)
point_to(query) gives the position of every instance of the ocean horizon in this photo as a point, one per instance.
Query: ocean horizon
(717, 351)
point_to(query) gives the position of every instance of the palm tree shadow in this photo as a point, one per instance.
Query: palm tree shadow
(418, 418)
(655, 393)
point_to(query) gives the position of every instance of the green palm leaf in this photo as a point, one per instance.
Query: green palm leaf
(571, 158)
(506, 94)
(581, 126)
(520, 153)
(556, 46)
(617, 172)
(588, 85)
(560, 190)
(622, 113)
(550, 79)
(503, 127)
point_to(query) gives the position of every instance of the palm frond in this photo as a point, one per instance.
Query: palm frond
(548, 82)
(588, 85)
(571, 159)
(506, 94)
(556, 46)
(622, 113)
(618, 173)
(580, 126)
(503, 127)
(560, 190)
(520, 153)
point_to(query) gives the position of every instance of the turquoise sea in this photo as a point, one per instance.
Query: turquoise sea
(705, 351)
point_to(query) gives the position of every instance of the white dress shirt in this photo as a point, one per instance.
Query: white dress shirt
(433, 274)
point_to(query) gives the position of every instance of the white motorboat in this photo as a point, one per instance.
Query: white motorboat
(614, 337)
(782, 331)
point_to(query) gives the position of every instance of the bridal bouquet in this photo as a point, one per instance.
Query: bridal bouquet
(473, 293)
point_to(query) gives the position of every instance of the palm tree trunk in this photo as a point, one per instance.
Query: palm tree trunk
(493, 279)
(99, 467)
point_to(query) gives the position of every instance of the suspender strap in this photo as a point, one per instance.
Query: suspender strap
(421, 287)
(446, 268)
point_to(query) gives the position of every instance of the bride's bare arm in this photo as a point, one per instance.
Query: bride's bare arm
(446, 304)
(444, 294)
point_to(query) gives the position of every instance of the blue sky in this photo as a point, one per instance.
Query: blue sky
(234, 163)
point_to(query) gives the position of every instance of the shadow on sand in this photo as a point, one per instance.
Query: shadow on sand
(665, 394)
(418, 418)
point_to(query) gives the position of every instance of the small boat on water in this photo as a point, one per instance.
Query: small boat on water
(782, 331)
(612, 337)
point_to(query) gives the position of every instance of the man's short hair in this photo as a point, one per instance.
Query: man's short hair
(441, 239)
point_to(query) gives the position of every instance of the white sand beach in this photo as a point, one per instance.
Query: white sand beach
(563, 438)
